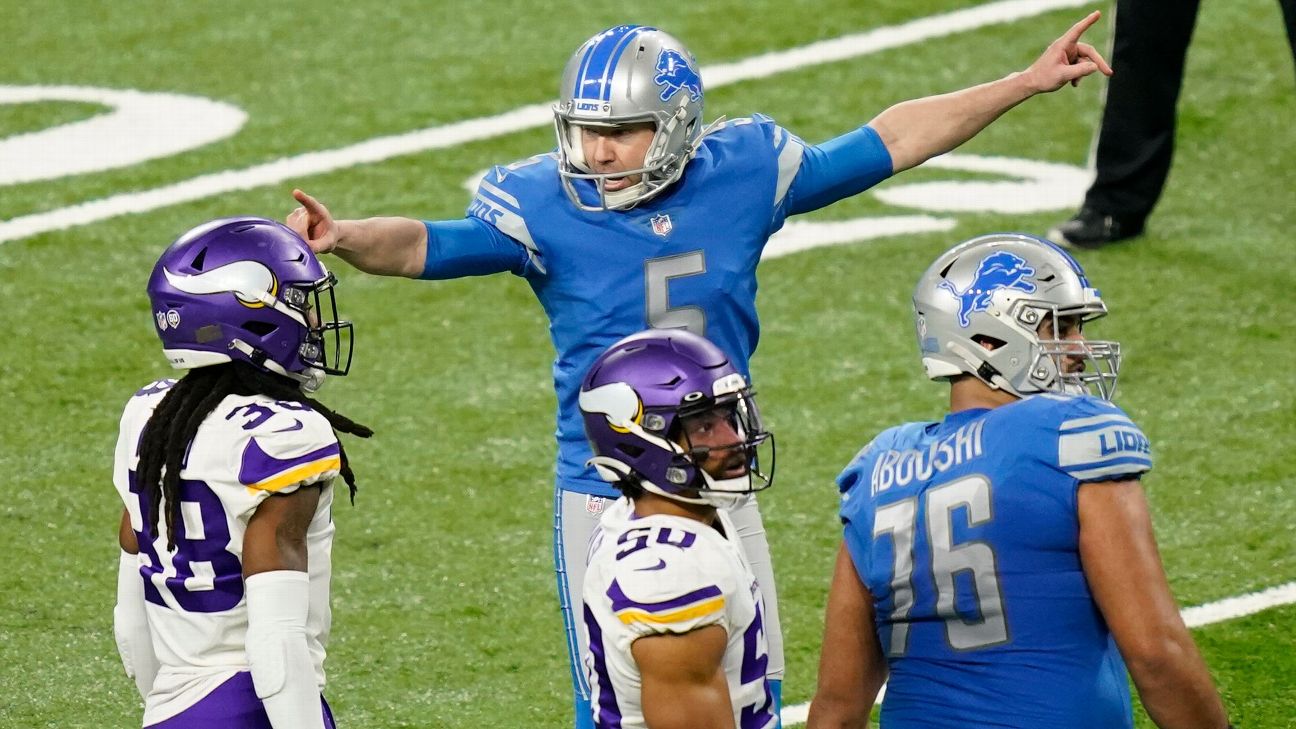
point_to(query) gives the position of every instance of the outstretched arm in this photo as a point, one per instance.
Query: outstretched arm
(1124, 572)
(851, 665)
(383, 246)
(915, 131)
(684, 684)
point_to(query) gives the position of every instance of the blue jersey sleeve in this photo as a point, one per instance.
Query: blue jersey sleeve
(470, 247)
(1097, 441)
(841, 167)
(498, 204)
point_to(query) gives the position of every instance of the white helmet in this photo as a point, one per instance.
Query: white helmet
(978, 309)
(625, 75)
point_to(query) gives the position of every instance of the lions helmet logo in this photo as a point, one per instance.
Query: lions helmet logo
(1000, 270)
(675, 73)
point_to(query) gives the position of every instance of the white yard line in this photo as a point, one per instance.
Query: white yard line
(1196, 617)
(526, 117)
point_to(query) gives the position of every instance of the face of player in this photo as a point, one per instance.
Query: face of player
(714, 439)
(1069, 329)
(617, 149)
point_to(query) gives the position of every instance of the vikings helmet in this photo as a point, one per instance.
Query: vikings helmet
(249, 289)
(634, 399)
(625, 75)
(979, 307)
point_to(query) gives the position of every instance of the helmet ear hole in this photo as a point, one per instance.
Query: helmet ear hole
(260, 328)
(630, 449)
(988, 342)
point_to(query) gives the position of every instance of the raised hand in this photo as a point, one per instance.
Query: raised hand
(1067, 60)
(313, 222)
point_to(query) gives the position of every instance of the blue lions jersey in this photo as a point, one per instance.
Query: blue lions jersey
(686, 258)
(966, 533)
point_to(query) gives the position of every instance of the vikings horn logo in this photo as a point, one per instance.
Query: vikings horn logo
(675, 73)
(247, 280)
(1001, 270)
(617, 401)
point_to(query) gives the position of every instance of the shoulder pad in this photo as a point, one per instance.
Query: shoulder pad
(1097, 441)
(670, 588)
(291, 448)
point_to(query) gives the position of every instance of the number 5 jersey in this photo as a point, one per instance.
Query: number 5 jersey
(248, 448)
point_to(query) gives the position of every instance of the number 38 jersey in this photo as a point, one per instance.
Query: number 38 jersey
(966, 534)
(662, 574)
(248, 448)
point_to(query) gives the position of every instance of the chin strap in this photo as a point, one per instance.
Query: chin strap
(311, 379)
(985, 371)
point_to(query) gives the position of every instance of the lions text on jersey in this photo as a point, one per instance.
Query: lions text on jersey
(965, 532)
(248, 448)
(664, 574)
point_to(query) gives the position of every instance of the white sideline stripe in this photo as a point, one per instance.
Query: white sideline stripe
(526, 117)
(1195, 617)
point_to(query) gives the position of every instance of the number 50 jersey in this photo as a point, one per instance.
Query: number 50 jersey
(248, 448)
(659, 575)
(966, 533)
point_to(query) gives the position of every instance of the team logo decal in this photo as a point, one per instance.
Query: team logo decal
(247, 280)
(675, 73)
(662, 225)
(1001, 270)
(617, 401)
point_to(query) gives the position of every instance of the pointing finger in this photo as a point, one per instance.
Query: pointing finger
(1077, 30)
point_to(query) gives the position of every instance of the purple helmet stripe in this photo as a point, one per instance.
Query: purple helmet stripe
(621, 602)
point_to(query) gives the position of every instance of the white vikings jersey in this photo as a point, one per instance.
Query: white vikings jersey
(248, 448)
(665, 574)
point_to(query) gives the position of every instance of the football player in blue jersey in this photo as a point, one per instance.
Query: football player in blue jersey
(646, 217)
(999, 565)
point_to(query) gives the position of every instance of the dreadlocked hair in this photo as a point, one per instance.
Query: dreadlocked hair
(175, 421)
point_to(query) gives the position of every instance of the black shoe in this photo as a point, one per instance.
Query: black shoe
(1091, 230)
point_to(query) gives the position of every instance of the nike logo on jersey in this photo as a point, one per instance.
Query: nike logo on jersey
(297, 425)
(661, 565)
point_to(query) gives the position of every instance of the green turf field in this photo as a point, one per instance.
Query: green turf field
(444, 609)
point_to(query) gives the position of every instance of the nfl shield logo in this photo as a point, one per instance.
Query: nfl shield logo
(594, 504)
(661, 224)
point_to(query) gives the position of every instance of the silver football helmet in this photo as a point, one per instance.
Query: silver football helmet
(978, 311)
(625, 75)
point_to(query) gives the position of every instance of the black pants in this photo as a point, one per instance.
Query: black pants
(1136, 141)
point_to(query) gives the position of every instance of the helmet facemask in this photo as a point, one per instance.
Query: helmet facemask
(328, 340)
(749, 465)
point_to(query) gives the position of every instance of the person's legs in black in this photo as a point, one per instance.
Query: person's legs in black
(1136, 139)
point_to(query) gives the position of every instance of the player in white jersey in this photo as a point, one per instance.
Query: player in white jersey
(672, 609)
(226, 475)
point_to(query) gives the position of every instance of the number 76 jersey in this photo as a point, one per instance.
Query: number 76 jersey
(966, 534)
(247, 449)
(668, 575)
